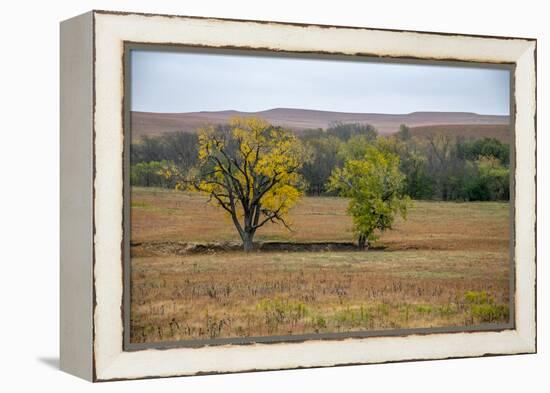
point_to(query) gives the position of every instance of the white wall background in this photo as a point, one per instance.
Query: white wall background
(29, 195)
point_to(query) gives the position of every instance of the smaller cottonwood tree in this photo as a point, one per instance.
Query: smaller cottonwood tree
(250, 170)
(375, 187)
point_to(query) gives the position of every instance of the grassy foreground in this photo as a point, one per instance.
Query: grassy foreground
(447, 265)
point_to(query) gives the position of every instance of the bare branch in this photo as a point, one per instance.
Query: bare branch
(271, 215)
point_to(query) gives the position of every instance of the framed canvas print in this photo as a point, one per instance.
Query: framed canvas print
(248, 195)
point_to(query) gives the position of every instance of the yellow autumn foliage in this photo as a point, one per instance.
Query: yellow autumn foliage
(251, 165)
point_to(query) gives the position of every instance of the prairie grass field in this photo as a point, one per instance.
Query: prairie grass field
(446, 265)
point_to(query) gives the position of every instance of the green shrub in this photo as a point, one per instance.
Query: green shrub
(280, 311)
(423, 309)
(319, 322)
(490, 312)
(352, 316)
(150, 174)
(383, 309)
(473, 297)
(483, 307)
(447, 309)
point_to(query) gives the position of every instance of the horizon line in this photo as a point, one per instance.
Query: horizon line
(323, 110)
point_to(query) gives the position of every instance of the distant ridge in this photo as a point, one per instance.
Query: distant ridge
(467, 131)
(149, 123)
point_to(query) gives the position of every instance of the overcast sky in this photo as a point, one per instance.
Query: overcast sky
(191, 82)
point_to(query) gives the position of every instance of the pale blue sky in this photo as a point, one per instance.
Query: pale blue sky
(192, 82)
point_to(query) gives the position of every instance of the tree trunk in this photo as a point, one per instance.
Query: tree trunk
(247, 238)
(362, 242)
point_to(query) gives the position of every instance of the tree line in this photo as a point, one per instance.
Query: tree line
(435, 167)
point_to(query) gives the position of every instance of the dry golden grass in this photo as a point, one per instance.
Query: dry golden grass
(447, 265)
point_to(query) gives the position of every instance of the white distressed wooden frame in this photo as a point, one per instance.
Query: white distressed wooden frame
(92, 90)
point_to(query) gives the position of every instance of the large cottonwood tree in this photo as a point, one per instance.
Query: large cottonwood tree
(250, 170)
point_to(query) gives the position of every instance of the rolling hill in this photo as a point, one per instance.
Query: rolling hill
(149, 123)
(497, 131)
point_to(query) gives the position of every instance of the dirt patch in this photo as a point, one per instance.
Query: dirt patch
(143, 249)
